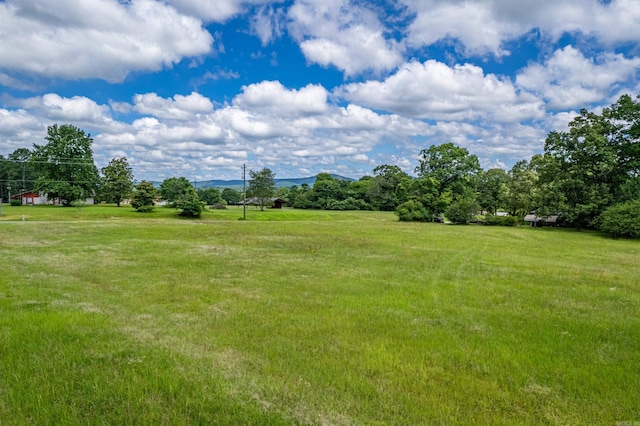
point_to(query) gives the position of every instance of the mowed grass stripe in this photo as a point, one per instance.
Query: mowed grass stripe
(348, 318)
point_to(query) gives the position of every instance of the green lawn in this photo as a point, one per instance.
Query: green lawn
(52, 213)
(108, 316)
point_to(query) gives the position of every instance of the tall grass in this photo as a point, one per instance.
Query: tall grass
(314, 318)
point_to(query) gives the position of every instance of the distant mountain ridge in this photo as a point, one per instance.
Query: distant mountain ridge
(284, 182)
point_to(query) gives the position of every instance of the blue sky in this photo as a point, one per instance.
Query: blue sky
(197, 88)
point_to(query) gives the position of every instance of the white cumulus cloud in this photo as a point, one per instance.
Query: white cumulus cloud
(216, 10)
(272, 96)
(79, 39)
(568, 79)
(343, 34)
(179, 107)
(484, 26)
(433, 90)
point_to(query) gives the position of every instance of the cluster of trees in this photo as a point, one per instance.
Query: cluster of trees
(593, 166)
(376, 192)
(17, 173)
(64, 169)
(589, 174)
(448, 179)
(177, 192)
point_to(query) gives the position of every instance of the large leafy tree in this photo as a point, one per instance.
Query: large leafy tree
(446, 174)
(492, 189)
(303, 197)
(625, 115)
(231, 196)
(282, 192)
(3, 177)
(262, 186)
(5, 174)
(65, 163)
(117, 180)
(579, 163)
(451, 166)
(382, 190)
(292, 196)
(592, 166)
(521, 187)
(422, 200)
(174, 189)
(360, 189)
(463, 208)
(17, 172)
(327, 190)
(210, 196)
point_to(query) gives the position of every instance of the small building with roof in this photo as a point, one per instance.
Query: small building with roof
(538, 221)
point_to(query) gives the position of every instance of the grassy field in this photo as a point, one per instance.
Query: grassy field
(108, 316)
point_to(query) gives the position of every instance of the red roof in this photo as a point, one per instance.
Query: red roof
(29, 194)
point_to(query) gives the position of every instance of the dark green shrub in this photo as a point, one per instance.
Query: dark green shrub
(511, 221)
(349, 204)
(190, 205)
(413, 211)
(143, 196)
(147, 208)
(15, 202)
(303, 202)
(491, 220)
(622, 220)
(462, 210)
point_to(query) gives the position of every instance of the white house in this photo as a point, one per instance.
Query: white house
(31, 198)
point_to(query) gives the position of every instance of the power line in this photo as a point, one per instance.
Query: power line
(48, 181)
(55, 163)
(244, 191)
(25, 163)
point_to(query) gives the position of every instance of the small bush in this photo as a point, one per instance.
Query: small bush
(413, 211)
(142, 198)
(622, 220)
(147, 208)
(190, 204)
(349, 204)
(15, 202)
(190, 208)
(461, 211)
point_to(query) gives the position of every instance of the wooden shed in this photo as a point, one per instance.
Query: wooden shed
(274, 203)
(278, 203)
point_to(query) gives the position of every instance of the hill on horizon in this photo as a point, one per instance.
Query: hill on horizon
(284, 182)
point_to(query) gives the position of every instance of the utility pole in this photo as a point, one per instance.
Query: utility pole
(23, 186)
(1, 194)
(244, 191)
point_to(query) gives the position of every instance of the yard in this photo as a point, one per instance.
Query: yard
(108, 316)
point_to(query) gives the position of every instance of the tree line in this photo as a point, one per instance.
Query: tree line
(589, 175)
(64, 170)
